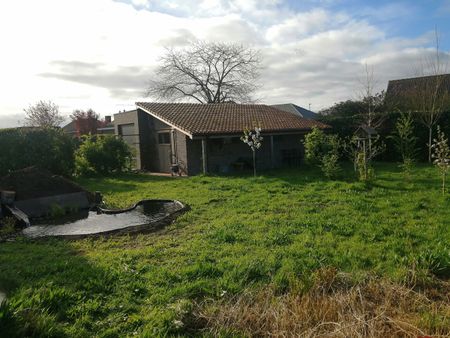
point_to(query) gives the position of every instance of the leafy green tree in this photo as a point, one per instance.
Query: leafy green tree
(346, 116)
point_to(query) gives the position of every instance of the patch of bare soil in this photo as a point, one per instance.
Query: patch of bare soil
(333, 308)
(33, 182)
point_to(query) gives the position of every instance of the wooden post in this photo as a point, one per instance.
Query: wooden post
(204, 159)
(254, 163)
(272, 152)
(173, 149)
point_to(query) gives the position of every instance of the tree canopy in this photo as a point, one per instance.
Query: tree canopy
(43, 114)
(86, 121)
(207, 72)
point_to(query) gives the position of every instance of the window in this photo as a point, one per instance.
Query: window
(164, 138)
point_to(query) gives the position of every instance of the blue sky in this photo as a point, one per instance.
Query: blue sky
(397, 18)
(100, 54)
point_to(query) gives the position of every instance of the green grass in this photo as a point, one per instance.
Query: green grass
(242, 232)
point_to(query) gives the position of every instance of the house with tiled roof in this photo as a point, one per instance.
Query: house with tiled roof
(419, 93)
(200, 138)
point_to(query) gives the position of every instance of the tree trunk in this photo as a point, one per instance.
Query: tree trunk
(443, 183)
(365, 159)
(254, 163)
(430, 136)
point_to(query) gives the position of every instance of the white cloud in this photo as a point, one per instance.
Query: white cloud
(100, 53)
(302, 24)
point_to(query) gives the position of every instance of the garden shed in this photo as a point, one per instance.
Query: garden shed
(202, 138)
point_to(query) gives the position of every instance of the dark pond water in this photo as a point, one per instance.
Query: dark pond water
(92, 222)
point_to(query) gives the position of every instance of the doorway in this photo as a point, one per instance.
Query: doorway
(164, 152)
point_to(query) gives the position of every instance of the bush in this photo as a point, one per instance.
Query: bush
(7, 226)
(323, 150)
(330, 166)
(46, 148)
(102, 154)
(315, 146)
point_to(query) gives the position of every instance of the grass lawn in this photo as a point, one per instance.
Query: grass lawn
(279, 231)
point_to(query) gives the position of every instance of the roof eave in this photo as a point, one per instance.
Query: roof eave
(267, 132)
(186, 132)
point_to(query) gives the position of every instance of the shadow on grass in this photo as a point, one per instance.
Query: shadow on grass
(44, 281)
(121, 182)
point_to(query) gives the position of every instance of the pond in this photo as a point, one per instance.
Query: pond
(144, 216)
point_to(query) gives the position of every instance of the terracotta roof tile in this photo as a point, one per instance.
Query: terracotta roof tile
(227, 118)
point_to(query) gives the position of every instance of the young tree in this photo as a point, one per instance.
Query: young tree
(359, 152)
(405, 141)
(441, 156)
(254, 140)
(431, 93)
(43, 114)
(207, 72)
(371, 115)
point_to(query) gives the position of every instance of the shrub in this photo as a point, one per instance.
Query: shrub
(7, 226)
(330, 166)
(46, 148)
(315, 146)
(102, 154)
(323, 150)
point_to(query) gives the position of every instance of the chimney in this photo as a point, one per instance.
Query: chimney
(108, 118)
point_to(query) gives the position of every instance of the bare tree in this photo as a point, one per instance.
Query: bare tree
(207, 72)
(430, 97)
(43, 114)
(372, 101)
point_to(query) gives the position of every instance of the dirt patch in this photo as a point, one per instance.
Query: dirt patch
(33, 182)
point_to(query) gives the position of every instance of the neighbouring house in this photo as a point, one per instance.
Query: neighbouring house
(70, 129)
(204, 138)
(297, 110)
(105, 126)
(418, 93)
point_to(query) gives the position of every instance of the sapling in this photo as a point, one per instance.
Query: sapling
(405, 142)
(441, 156)
(254, 140)
(362, 156)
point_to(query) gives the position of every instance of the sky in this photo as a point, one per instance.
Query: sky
(101, 54)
